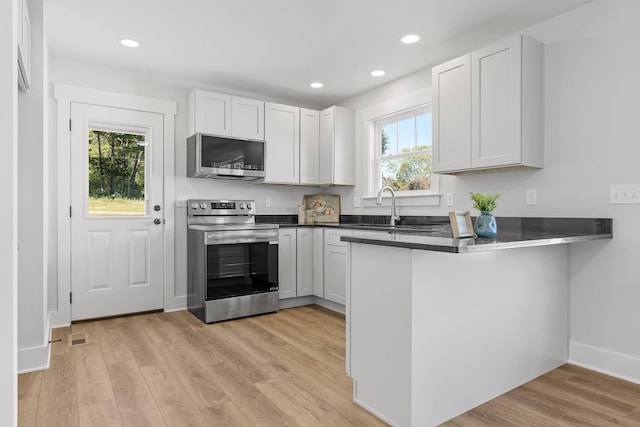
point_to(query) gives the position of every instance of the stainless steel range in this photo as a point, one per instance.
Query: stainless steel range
(232, 261)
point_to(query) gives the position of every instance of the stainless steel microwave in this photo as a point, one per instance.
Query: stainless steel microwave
(217, 157)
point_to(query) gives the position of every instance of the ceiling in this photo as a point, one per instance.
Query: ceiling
(277, 48)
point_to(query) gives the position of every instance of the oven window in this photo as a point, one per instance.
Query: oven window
(241, 269)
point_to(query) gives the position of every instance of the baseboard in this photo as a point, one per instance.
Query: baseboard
(36, 358)
(310, 299)
(334, 306)
(178, 303)
(606, 362)
(296, 302)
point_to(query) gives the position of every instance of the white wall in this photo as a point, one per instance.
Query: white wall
(8, 212)
(33, 220)
(284, 198)
(592, 140)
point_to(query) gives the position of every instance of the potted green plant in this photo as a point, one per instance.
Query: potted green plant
(485, 225)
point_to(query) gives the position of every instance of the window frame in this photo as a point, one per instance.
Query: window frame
(375, 149)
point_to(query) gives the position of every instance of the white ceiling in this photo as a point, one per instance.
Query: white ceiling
(277, 47)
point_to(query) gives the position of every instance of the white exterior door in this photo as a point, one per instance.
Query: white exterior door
(116, 211)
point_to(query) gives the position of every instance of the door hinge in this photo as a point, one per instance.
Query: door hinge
(69, 125)
(70, 297)
(69, 211)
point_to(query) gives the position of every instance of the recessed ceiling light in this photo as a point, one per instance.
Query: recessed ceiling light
(316, 85)
(378, 73)
(410, 38)
(129, 43)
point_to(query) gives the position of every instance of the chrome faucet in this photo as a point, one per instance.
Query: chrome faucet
(394, 216)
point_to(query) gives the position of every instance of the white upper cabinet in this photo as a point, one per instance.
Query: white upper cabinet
(309, 146)
(451, 115)
(337, 146)
(282, 146)
(219, 114)
(209, 112)
(504, 129)
(24, 46)
(247, 117)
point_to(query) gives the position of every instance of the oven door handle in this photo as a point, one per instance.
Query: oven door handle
(241, 236)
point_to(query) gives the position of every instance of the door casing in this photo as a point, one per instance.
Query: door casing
(64, 96)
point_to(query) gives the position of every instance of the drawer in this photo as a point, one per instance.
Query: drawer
(332, 237)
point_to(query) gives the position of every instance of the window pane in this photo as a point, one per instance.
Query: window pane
(406, 135)
(411, 173)
(389, 141)
(423, 127)
(116, 174)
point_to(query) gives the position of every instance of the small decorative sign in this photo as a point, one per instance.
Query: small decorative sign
(461, 225)
(323, 207)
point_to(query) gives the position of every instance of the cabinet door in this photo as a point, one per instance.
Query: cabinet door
(344, 147)
(210, 113)
(327, 135)
(335, 266)
(304, 262)
(282, 146)
(287, 262)
(496, 104)
(247, 118)
(335, 273)
(309, 146)
(318, 262)
(451, 131)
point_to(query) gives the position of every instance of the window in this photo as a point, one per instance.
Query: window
(402, 151)
(117, 178)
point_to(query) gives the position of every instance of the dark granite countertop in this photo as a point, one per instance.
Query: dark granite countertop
(512, 233)
(433, 233)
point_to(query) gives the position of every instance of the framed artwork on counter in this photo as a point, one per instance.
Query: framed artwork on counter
(461, 225)
(323, 207)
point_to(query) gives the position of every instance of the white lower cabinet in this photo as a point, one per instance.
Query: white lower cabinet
(318, 262)
(295, 262)
(304, 262)
(287, 256)
(335, 265)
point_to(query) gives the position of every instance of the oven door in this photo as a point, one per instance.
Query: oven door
(241, 268)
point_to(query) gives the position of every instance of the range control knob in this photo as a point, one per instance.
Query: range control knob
(241, 205)
(194, 205)
(249, 206)
(203, 205)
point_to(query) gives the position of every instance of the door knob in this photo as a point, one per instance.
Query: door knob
(157, 221)
(156, 208)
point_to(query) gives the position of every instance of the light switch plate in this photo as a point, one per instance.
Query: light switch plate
(356, 202)
(628, 194)
(451, 199)
(267, 202)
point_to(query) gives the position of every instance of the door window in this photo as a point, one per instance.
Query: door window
(117, 172)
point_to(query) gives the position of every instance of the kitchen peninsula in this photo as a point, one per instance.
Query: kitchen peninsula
(437, 326)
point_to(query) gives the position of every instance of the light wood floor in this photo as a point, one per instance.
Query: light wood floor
(171, 369)
(279, 369)
(567, 396)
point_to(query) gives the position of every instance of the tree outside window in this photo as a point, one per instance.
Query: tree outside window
(405, 152)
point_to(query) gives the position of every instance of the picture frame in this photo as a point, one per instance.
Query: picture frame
(325, 207)
(461, 225)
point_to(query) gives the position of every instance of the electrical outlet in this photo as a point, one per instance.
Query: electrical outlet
(451, 199)
(267, 202)
(532, 198)
(624, 194)
(181, 201)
